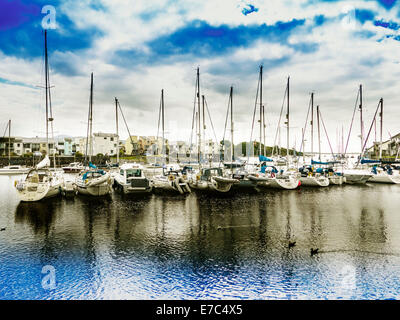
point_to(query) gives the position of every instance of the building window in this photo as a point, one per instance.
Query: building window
(112, 139)
(112, 151)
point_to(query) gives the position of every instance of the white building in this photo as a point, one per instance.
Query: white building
(105, 143)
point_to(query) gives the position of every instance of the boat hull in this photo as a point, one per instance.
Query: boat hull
(97, 190)
(39, 192)
(128, 189)
(100, 186)
(314, 181)
(337, 180)
(357, 178)
(10, 172)
(216, 185)
(276, 183)
(179, 185)
(385, 178)
(72, 170)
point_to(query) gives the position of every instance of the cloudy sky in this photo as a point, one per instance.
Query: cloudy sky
(136, 48)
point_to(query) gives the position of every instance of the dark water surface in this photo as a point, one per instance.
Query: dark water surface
(183, 247)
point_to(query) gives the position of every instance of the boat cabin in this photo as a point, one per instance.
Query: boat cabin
(207, 173)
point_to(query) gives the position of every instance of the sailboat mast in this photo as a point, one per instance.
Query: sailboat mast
(46, 66)
(204, 124)
(312, 125)
(265, 152)
(9, 142)
(304, 147)
(361, 121)
(232, 143)
(91, 118)
(381, 116)
(261, 106)
(287, 122)
(319, 135)
(162, 122)
(199, 118)
(116, 124)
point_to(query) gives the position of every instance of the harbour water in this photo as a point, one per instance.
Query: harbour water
(204, 247)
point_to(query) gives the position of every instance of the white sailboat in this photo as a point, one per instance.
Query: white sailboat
(171, 178)
(40, 182)
(387, 175)
(12, 169)
(207, 179)
(356, 175)
(382, 174)
(310, 176)
(92, 181)
(212, 180)
(270, 176)
(73, 167)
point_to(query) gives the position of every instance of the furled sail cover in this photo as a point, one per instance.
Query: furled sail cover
(263, 158)
(369, 161)
(44, 163)
(320, 162)
(91, 165)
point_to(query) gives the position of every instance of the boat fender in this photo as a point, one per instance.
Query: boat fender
(15, 183)
(198, 177)
(171, 177)
(299, 184)
(272, 175)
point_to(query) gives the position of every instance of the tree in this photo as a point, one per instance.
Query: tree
(78, 154)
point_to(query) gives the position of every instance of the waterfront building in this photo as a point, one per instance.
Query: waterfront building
(390, 148)
(105, 143)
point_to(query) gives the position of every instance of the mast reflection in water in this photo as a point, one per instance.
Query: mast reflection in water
(182, 247)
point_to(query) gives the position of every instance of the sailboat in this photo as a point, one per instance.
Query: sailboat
(130, 177)
(311, 177)
(269, 176)
(11, 169)
(326, 168)
(356, 175)
(40, 182)
(171, 178)
(211, 179)
(383, 173)
(237, 170)
(92, 181)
